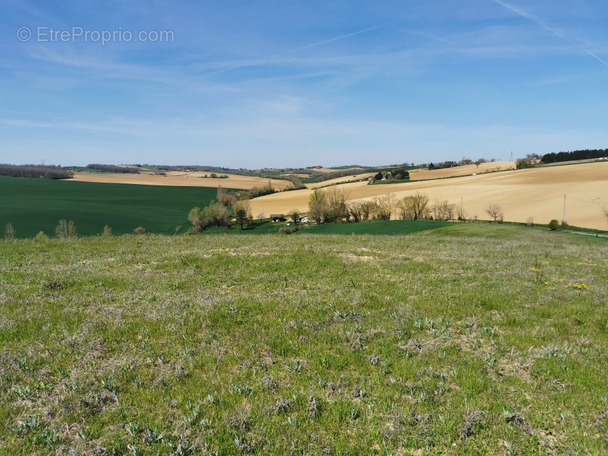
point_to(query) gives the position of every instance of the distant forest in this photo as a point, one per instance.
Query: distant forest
(555, 157)
(114, 169)
(47, 172)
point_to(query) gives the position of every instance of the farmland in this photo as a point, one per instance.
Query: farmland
(536, 193)
(33, 205)
(466, 339)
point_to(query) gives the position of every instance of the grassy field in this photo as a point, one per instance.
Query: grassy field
(393, 227)
(34, 205)
(468, 339)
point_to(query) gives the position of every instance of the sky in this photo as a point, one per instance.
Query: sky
(295, 83)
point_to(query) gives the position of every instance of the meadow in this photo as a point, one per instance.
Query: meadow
(34, 205)
(466, 339)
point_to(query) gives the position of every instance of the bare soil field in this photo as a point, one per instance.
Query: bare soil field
(340, 180)
(466, 170)
(181, 179)
(536, 193)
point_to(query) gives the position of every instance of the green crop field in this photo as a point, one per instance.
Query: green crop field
(392, 227)
(467, 339)
(34, 205)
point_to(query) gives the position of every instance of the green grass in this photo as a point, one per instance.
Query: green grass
(34, 205)
(392, 227)
(448, 342)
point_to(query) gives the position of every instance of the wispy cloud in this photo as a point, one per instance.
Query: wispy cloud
(577, 42)
(342, 37)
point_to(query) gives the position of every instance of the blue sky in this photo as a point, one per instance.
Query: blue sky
(300, 83)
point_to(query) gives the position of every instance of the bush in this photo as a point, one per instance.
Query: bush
(41, 237)
(66, 229)
(140, 230)
(289, 229)
(107, 231)
(10, 233)
(553, 225)
(215, 214)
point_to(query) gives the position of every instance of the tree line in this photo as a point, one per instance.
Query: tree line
(44, 171)
(331, 206)
(114, 168)
(586, 154)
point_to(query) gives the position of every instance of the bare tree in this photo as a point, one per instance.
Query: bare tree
(66, 229)
(414, 207)
(338, 209)
(494, 210)
(443, 210)
(355, 209)
(383, 207)
(317, 205)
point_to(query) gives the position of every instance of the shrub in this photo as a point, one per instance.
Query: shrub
(215, 214)
(41, 237)
(107, 231)
(553, 225)
(10, 233)
(140, 230)
(66, 229)
(523, 163)
(225, 198)
(289, 229)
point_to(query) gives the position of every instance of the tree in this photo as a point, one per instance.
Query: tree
(243, 213)
(355, 209)
(400, 174)
(382, 208)
(495, 211)
(443, 210)
(295, 216)
(241, 218)
(414, 207)
(337, 207)
(317, 205)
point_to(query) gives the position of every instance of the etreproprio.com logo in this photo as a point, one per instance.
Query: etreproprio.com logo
(75, 34)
